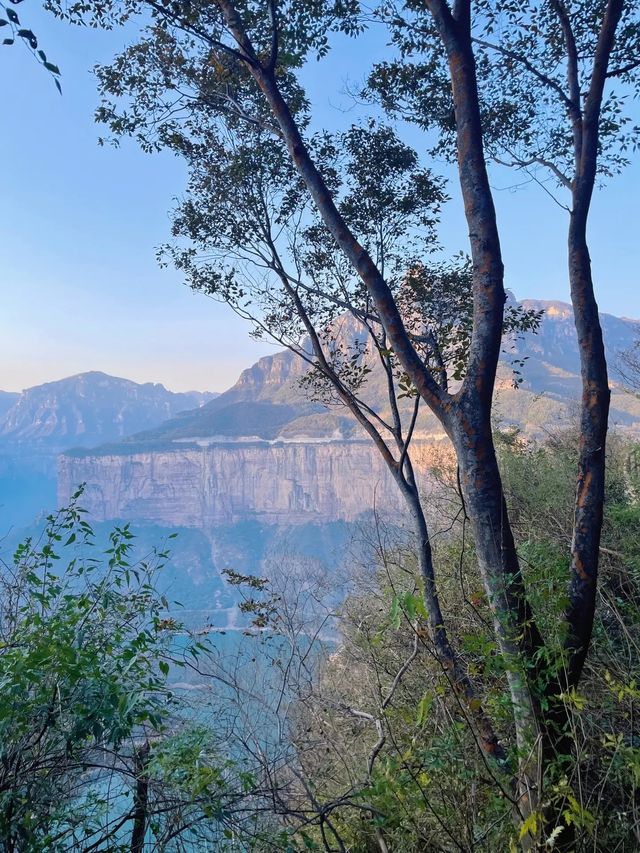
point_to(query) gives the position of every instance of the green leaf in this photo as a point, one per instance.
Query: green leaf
(424, 706)
(394, 613)
(29, 36)
(530, 826)
(410, 606)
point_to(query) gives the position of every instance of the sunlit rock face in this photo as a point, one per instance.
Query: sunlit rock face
(281, 483)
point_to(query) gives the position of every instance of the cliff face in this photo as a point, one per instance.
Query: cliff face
(263, 452)
(209, 486)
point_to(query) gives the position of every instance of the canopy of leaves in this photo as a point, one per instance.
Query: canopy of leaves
(534, 66)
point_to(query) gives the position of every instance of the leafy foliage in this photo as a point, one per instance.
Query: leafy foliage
(16, 30)
(97, 748)
(388, 752)
(522, 66)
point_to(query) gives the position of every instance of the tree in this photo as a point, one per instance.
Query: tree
(254, 243)
(367, 748)
(98, 750)
(541, 92)
(237, 63)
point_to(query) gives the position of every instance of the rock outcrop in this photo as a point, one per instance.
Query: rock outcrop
(202, 487)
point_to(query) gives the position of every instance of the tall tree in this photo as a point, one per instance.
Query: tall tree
(254, 243)
(542, 72)
(236, 63)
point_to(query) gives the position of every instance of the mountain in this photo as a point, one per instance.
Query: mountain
(82, 410)
(290, 483)
(550, 391)
(555, 343)
(262, 451)
(7, 399)
(553, 361)
(262, 470)
(88, 409)
(267, 402)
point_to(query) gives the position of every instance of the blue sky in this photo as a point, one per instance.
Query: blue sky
(81, 289)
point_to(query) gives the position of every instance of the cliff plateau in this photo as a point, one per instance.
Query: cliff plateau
(205, 487)
(262, 451)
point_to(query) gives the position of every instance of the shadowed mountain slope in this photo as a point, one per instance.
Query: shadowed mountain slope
(88, 409)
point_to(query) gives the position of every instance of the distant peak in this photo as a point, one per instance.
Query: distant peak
(551, 307)
(558, 310)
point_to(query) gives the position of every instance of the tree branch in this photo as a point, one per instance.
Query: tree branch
(359, 257)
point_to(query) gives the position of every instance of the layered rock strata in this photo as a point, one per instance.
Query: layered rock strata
(282, 483)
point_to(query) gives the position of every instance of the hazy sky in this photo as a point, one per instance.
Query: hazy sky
(79, 224)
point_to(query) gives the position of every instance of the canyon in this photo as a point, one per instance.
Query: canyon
(261, 451)
(259, 471)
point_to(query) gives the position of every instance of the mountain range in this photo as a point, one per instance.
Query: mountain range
(262, 451)
(268, 404)
(88, 409)
(241, 473)
(83, 410)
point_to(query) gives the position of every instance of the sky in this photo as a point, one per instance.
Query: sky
(79, 224)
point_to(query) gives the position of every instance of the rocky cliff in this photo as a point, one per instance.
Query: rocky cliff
(202, 487)
(264, 452)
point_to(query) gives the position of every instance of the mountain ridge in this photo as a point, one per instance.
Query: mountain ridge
(96, 410)
(267, 404)
(262, 451)
(88, 408)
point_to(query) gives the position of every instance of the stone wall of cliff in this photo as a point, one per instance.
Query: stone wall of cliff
(208, 486)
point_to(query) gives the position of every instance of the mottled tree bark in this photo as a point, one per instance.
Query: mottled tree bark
(589, 502)
(457, 676)
(470, 414)
(489, 298)
(140, 799)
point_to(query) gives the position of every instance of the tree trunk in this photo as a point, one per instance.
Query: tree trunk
(516, 634)
(590, 485)
(448, 659)
(589, 503)
(140, 800)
